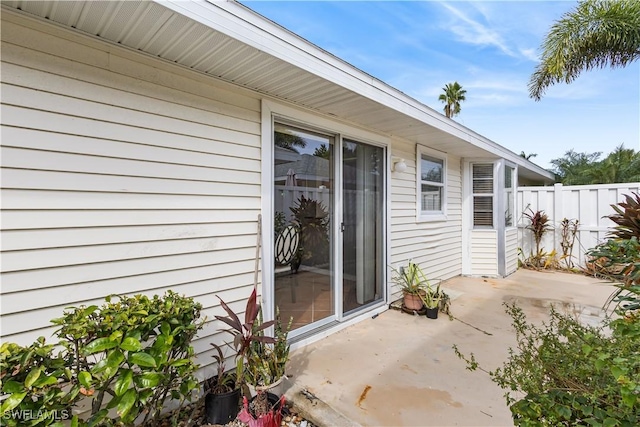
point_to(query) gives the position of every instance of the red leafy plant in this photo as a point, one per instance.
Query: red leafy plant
(270, 418)
(244, 333)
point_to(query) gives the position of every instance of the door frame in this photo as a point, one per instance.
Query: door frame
(273, 111)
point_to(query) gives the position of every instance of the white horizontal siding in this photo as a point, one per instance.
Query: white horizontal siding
(120, 174)
(434, 245)
(511, 249)
(484, 252)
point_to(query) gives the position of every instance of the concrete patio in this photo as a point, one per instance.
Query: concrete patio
(400, 370)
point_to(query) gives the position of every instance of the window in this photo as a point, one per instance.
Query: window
(432, 173)
(508, 196)
(483, 195)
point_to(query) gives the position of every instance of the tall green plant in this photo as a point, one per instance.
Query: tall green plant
(245, 333)
(538, 225)
(266, 362)
(411, 279)
(452, 96)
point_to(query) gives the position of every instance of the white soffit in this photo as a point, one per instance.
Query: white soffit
(229, 41)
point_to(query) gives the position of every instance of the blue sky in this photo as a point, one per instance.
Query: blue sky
(491, 49)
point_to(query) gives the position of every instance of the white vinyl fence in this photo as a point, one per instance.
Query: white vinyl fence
(589, 204)
(287, 197)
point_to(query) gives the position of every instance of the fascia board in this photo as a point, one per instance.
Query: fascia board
(246, 26)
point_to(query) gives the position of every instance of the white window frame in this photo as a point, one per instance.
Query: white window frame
(510, 194)
(272, 112)
(425, 215)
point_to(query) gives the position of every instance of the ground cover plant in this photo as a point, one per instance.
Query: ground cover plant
(564, 373)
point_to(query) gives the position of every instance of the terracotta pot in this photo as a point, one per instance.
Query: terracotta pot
(412, 301)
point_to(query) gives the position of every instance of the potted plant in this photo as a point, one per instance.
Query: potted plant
(266, 362)
(432, 298)
(412, 281)
(244, 335)
(264, 372)
(266, 414)
(222, 392)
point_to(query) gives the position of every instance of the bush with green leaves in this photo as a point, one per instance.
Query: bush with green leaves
(618, 258)
(129, 355)
(565, 373)
(32, 379)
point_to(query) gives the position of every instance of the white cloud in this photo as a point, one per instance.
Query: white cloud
(475, 33)
(531, 54)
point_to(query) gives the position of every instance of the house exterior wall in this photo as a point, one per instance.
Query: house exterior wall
(435, 245)
(511, 246)
(121, 174)
(589, 204)
(484, 252)
(125, 174)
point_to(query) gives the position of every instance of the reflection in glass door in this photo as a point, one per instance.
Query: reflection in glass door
(363, 225)
(303, 217)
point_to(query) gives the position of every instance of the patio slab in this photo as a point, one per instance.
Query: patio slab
(399, 369)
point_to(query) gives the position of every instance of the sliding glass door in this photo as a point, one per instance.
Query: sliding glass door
(313, 283)
(363, 224)
(303, 220)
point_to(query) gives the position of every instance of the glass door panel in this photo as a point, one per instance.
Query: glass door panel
(363, 225)
(304, 199)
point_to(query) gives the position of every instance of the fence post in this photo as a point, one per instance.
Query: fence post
(558, 214)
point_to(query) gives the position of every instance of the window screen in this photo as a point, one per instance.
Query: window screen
(483, 195)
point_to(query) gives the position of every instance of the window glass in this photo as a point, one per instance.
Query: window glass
(432, 183)
(509, 196)
(432, 169)
(303, 185)
(431, 198)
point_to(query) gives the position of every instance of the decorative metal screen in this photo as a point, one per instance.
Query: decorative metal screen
(287, 245)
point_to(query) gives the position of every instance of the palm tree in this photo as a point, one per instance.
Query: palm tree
(527, 156)
(452, 97)
(596, 34)
(621, 165)
(575, 168)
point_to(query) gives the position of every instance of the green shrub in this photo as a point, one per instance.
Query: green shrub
(32, 379)
(134, 352)
(571, 374)
(619, 257)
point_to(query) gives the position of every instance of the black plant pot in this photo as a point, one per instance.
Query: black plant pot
(432, 313)
(222, 408)
(273, 402)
